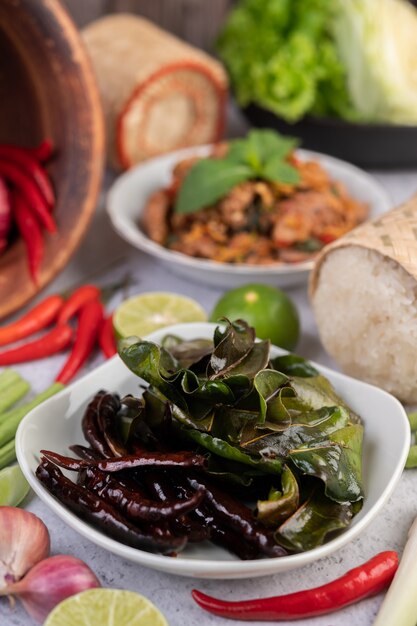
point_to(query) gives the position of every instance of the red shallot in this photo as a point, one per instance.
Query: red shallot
(51, 581)
(24, 541)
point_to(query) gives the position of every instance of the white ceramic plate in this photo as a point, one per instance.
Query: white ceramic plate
(128, 196)
(56, 424)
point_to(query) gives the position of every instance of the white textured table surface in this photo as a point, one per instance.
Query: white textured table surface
(103, 250)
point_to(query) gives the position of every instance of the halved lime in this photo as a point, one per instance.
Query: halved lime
(106, 607)
(147, 312)
(13, 486)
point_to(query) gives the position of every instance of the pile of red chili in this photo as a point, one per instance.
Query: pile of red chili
(78, 321)
(27, 199)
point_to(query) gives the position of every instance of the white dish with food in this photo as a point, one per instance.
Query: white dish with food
(56, 424)
(127, 198)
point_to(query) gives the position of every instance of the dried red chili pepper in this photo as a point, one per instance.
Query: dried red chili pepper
(128, 499)
(130, 462)
(89, 322)
(29, 229)
(30, 191)
(39, 317)
(30, 164)
(359, 583)
(106, 338)
(90, 507)
(76, 301)
(52, 342)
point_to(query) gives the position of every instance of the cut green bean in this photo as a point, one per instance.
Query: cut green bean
(14, 392)
(412, 458)
(412, 418)
(7, 454)
(10, 420)
(9, 377)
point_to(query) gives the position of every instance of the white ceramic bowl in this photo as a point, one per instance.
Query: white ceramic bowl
(127, 198)
(56, 424)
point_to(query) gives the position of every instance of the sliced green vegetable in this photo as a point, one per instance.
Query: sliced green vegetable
(10, 420)
(7, 454)
(14, 392)
(8, 377)
(13, 486)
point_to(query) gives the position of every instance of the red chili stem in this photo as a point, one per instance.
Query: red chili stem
(52, 342)
(76, 302)
(363, 581)
(89, 322)
(30, 230)
(106, 338)
(29, 189)
(39, 317)
(29, 164)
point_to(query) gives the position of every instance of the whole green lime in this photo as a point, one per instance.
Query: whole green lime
(268, 309)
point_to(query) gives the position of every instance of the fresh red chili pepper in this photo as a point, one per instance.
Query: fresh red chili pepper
(5, 213)
(89, 322)
(363, 581)
(43, 151)
(76, 301)
(39, 317)
(106, 338)
(30, 230)
(27, 162)
(52, 342)
(29, 189)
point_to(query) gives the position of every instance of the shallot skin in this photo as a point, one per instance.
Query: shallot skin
(24, 541)
(51, 581)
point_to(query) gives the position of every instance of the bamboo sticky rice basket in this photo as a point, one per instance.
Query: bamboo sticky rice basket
(159, 93)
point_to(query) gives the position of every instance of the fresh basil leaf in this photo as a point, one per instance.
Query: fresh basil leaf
(278, 171)
(280, 504)
(268, 144)
(208, 181)
(312, 522)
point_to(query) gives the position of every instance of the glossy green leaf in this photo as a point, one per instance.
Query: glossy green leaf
(309, 526)
(280, 504)
(316, 392)
(268, 384)
(337, 461)
(286, 442)
(227, 451)
(294, 365)
(208, 181)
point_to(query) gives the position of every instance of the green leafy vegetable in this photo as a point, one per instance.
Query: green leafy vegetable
(377, 44)
(280, 504)
(309, 525)
(282, 55)
(262, 154)
(275, 428)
